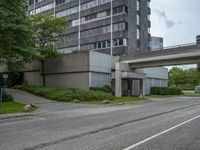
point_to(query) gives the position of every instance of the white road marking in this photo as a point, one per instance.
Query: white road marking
(161, 133)
(23, 121)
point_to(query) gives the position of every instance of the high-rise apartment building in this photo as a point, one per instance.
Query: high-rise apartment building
(93, 24)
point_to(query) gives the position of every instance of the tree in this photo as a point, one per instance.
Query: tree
(193, 76)
(48, 32)
(177, 76)
(198, 67)
(15, 34)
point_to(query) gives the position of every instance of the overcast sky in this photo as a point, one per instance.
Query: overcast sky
(177, 21)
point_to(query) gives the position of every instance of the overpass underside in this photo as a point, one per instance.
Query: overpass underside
(179, 55)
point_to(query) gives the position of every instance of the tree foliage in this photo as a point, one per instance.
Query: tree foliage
(198, 67)
(48, 32)
(193, 76)
(15, 34)
(178, 76)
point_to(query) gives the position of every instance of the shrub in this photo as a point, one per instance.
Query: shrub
(165, 91)
(106, 88)
(64, 94)
(6, 97)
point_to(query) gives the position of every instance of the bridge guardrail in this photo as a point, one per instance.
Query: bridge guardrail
(170, 50)
(175, 46)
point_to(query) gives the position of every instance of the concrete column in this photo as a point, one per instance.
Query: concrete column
(198, 39)
(142, 91)
(118, 80)
(130, 87)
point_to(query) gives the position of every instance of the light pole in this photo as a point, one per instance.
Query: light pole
(79, 25)
(111, 28)
(111, 39)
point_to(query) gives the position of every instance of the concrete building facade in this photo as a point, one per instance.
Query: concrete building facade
(102, 31)
(93, 24)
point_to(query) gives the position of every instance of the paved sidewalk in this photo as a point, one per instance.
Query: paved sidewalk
(44, 104)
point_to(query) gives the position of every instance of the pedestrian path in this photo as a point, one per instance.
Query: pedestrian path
(43, 103)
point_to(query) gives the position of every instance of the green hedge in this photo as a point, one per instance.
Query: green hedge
(165, 91)
(106, 88)
(67, 95)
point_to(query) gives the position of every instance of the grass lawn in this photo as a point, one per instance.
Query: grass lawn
(117, 100)
(191, 94)
(11, 107)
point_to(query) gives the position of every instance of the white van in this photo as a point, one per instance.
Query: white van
(197, 89)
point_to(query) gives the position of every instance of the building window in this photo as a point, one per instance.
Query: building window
(138, 19)
(138, 33)
(62, 1)
(115, 42)
(67, 12)
(44, 8)
(75, 22)
(95, 31)
(37, 1)
(148, 4)
(120, 9)
(138, 44)
(120, 42)
(138, 5)
(149, 30)
(108, 43)
(120, 26)
(148, 17)
(93, 3)
(102, 14)
(102, 45)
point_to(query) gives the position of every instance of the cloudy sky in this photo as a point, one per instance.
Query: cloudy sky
(177, 21)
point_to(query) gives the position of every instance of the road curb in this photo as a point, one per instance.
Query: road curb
(118, 104)
(18, 115)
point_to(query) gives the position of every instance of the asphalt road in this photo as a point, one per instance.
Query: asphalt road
(170, 124)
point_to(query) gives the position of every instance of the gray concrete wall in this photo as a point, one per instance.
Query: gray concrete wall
(32, 74)
(148, 83)
(156, 77)
(74, 70)
(99, 79)
(33, 78)
(100, 69)
(100, 62)
(69, 80)
(69, 70)
(68, 63)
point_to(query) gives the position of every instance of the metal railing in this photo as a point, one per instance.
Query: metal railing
(175, 46)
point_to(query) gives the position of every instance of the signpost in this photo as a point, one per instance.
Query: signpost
(5, 77)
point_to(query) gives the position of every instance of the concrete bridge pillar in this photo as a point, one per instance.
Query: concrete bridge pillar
(118, 80)
(142, 88)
